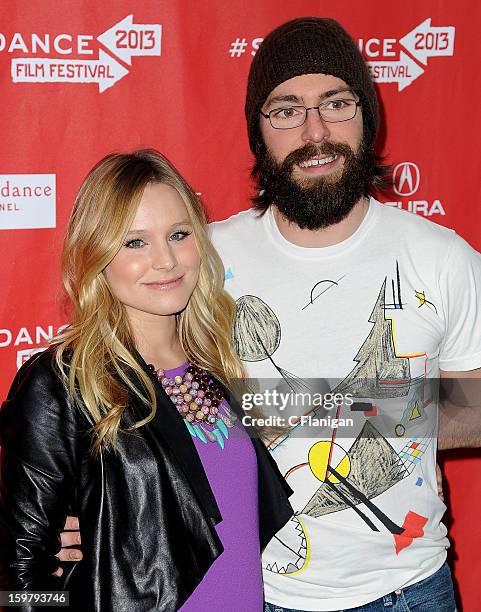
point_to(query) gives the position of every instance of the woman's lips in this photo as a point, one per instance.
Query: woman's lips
(164, 285)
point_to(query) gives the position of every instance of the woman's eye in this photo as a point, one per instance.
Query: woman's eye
(135, 243)
(176, 236)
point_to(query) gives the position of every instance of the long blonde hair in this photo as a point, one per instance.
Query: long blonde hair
(96, 353)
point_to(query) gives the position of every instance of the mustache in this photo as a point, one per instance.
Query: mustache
(310, 150)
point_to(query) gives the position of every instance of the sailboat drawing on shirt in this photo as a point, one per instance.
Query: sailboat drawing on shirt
(380, 372)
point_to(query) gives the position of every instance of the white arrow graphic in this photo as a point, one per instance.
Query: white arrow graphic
(402, 72)
(105, 71)
(125, 39)
(425, 41)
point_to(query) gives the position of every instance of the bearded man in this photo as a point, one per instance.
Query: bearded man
(332, 285)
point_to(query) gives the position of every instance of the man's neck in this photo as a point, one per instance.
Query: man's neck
(327, 236)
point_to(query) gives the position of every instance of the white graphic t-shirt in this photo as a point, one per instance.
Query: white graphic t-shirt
(373, 319)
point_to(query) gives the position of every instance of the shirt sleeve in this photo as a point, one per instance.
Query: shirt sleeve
(460, 289)
(40, 456)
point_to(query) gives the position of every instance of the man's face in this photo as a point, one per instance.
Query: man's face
(311, 90)
(314, 173)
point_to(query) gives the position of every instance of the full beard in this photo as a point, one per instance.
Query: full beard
(317, 202)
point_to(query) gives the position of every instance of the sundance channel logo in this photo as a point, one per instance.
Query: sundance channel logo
(27, 201)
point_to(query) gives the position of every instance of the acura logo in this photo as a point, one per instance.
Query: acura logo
(405, 178)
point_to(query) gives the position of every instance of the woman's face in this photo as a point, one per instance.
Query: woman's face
(156, 269)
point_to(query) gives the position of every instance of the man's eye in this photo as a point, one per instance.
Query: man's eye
(286, 113)
(180, 235)
(135, 243)
(338, 104)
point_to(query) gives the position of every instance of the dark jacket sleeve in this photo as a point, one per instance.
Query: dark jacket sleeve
(40, 440)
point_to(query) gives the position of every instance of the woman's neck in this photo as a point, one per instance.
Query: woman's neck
(157, 340)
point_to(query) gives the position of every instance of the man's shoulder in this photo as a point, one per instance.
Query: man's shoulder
(410, 225)
(239, 224)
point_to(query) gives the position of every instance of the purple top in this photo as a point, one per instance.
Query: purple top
(234, 581)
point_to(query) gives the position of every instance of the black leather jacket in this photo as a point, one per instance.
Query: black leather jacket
(147, 512)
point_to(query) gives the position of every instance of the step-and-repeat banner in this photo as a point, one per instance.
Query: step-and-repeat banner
(80, 79)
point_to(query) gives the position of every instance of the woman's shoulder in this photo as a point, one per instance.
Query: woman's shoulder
(38, 389)
(40, 370)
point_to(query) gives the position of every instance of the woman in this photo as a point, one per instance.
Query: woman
(125, 419)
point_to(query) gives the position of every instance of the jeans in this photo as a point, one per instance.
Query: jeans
(433, 594)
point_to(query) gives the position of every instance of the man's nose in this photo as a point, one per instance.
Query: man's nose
(315, 129)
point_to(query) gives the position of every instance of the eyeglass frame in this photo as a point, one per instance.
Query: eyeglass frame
(268, 115)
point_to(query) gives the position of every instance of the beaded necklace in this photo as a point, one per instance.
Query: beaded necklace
(200, 402)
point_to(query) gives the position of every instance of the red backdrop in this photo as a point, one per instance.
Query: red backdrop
(80, 79)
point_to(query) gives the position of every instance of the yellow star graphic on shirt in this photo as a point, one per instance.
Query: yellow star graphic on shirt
(421, 297)
(422, 300)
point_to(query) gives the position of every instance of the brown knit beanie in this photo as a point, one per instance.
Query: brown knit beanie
(309, 45)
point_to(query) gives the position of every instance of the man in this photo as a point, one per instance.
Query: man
(330, 284)
(360, 299)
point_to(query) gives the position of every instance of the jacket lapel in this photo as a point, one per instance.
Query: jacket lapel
(168, 424)
(273, 491)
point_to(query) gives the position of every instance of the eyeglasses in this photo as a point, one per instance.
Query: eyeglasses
(331, 111)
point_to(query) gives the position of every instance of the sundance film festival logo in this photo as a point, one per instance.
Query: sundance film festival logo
(406, 178)
(389, 60)
(397, 66)
(27, 201)
(119, 44)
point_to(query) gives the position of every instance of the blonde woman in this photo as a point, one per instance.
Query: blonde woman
(125, 420)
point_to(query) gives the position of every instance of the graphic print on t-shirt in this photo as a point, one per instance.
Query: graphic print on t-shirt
(428, 316)
(257, 335)
(349, 474)
(423, 301)
(320, 288)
